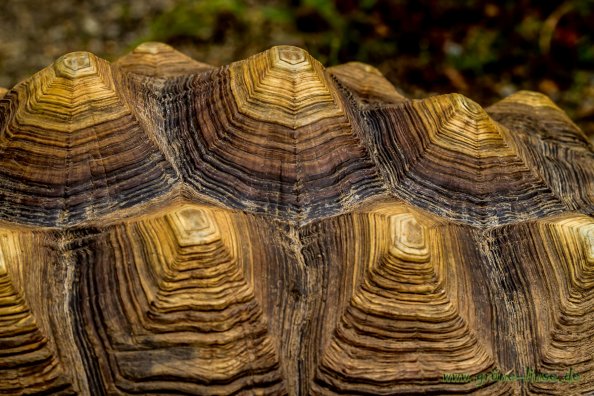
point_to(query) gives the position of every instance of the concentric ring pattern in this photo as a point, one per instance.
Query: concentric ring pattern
(272, 227)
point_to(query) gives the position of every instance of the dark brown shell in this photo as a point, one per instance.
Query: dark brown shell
(275, 227)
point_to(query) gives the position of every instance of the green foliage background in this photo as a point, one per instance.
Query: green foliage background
(483, 49)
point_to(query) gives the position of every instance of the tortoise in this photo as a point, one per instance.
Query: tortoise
(275, 227)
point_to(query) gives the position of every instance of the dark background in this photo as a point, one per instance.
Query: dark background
(485, 50)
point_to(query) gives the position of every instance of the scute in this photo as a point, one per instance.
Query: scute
(274, 227)
(72, 148)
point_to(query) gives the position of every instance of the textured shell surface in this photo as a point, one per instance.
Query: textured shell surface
(274, 227)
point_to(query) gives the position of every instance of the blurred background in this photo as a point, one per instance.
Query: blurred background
(483, 49)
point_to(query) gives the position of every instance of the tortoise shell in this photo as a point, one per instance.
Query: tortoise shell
(274, 227)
